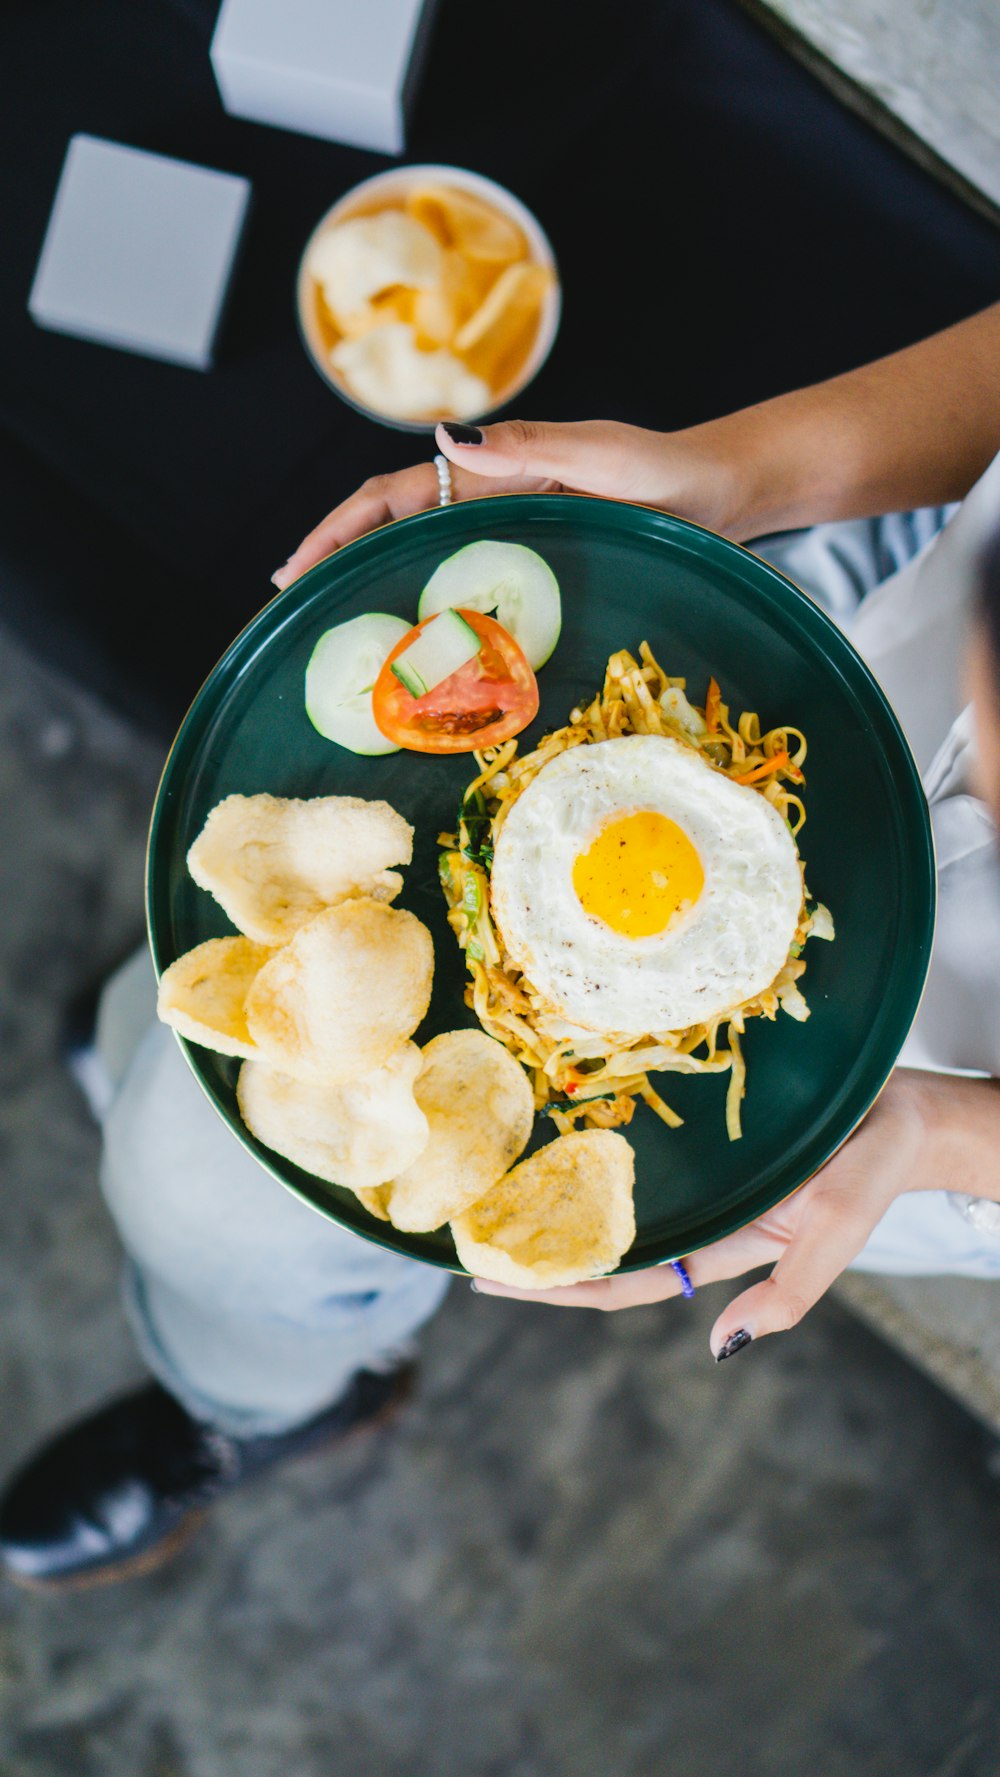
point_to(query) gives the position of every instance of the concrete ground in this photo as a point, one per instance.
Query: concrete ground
(583, 1550)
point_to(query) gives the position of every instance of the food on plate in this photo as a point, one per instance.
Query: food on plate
(480, 1110)
(562, 1216)
(203, 994)
(631, 892)
(429, 307)
(329, 1071)
(347, 661)
(373, 1198)
(342, 670)
(343, 993)
(434, 653)
(355, 1134)
(639, 889)
(508, 579)
(273, 863)
(456, 682)
(331, 1081)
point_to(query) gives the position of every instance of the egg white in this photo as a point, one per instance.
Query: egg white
(723, 951)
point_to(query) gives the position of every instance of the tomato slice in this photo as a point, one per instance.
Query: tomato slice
(489, 699)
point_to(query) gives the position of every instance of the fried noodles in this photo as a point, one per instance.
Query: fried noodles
(595, 1078)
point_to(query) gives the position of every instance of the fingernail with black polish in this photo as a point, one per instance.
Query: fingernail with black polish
(734, 1343)
(462, 434)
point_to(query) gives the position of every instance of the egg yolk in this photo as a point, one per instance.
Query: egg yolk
(640, 870)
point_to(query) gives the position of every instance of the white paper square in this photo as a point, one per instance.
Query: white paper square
(139, 251)
(344, 70)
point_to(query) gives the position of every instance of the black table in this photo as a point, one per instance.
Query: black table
(724, 229)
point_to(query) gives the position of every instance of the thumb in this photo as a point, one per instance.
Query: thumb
(830, 1233)
(590, 456)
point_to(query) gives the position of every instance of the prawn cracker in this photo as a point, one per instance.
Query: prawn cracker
(348, 989)
(559, 1218)
(273, 863)
(353, 1134)
(203, 994)
(480, 1109)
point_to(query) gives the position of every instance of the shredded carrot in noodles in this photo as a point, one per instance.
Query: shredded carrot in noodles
(779, 762)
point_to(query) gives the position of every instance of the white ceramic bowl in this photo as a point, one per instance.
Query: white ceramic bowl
(396, 184)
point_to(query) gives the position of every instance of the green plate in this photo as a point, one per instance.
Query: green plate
(706, 607)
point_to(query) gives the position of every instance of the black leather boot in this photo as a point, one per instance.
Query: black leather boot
(120, 1492)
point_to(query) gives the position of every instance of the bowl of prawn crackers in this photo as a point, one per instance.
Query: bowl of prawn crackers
(428, 293)
(541, 887)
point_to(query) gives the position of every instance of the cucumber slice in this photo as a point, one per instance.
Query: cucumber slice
(506, 578)
(439, 650)
(342, 669)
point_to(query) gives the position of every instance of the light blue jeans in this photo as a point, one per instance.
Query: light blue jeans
(253, 1310)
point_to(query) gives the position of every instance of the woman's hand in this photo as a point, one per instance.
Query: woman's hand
(682, 472)
(926, 1132)
(913, 429)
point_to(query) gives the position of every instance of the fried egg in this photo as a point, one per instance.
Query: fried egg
(640, 891)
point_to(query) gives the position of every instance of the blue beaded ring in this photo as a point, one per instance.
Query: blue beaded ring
(681, 1269)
